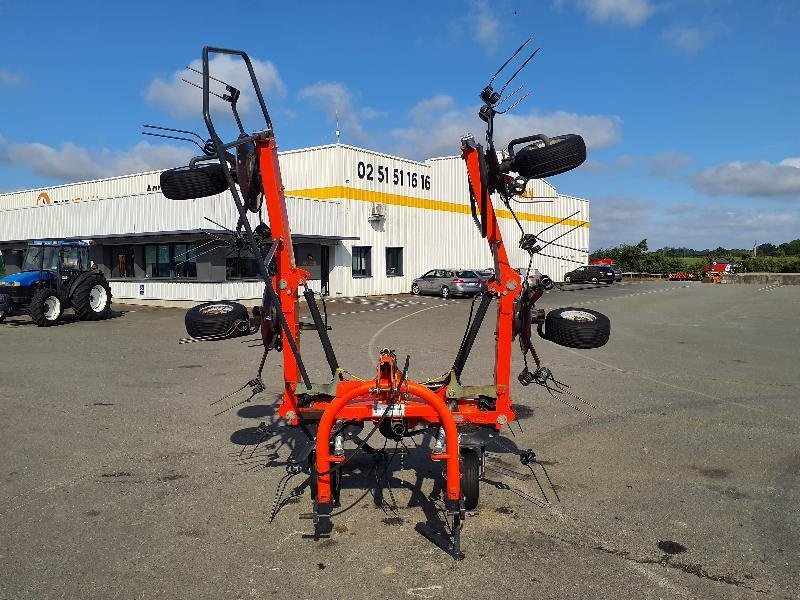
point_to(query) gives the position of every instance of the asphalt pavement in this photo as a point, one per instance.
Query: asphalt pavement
(118, 481)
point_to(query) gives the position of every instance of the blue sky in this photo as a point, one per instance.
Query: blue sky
(690, 108)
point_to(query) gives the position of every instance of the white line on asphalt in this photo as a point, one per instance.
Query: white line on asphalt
(684, 389)
(370, 346)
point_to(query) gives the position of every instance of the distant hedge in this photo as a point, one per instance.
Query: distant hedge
(636, 259)
(771, 264)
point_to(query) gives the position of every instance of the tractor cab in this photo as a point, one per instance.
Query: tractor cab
(55, 275)
(61, 260)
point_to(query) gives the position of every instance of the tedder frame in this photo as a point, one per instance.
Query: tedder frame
(465, 418)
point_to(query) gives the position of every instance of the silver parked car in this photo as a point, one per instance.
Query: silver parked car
(448, 282)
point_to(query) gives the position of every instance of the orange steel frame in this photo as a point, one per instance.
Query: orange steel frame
(358, 400)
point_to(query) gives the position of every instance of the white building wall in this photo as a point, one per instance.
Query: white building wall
(329, 193)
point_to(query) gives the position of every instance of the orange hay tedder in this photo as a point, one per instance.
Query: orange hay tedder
(465, 420)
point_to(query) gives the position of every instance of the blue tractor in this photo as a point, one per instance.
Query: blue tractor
(55, 275)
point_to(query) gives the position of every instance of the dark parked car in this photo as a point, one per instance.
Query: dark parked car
(617, 272)
(591, 273)
(448, 282)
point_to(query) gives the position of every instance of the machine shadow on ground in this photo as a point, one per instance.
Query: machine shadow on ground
(382, 471)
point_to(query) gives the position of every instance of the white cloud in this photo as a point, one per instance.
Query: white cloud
(623, 219)
(336, 101)
(436, 126)
(710, 226)
(667, 163)
(688, 40)
(485, 25)
(182, 100)
(618, 219)
(74, 163)
(11, 79)
(627, 12)
(752, 179)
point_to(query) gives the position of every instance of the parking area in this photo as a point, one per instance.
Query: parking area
(119, 482)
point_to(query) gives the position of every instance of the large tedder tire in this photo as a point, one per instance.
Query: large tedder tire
(91, 298)
(187, 183)
(46, 308)
(470, 477)
(220, 320)
(576, 328)
(561, 154)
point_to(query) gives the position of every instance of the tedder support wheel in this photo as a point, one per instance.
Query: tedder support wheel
(470, 477)
(186, 183)
(46, 308)
(567, 279)
(91, 298)
(576, 328)
(559, 155)
(220, 319)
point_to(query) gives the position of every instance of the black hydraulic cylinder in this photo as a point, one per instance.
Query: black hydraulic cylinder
(472, 333)
(322, 330)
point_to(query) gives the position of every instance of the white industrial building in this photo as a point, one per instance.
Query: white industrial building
(362, 223)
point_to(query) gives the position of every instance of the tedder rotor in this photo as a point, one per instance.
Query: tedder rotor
(465, 419)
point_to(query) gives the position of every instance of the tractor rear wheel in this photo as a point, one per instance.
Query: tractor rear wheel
(91, 298)
(470, 477)
(46, 308)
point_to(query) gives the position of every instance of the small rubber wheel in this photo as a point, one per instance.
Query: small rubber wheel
(2, 316)
(186, 183)
(559, 155)
(220, 319)
(576, 328)
(445, 291)
(567, 279)
(91, 298)
(470, 477)
(594, 279)
(415, 289)
(46, 308)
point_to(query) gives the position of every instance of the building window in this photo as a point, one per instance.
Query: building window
(157, 260)
(362, 261)
(394, 262)
(185, 260)
(242, 265)
(122, 261)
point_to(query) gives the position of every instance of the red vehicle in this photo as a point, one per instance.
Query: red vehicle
(681, 276)
(720, 265)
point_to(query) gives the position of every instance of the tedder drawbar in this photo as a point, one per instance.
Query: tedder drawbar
(465, 420)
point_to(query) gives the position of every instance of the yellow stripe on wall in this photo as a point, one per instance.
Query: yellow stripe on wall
(350, 193)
